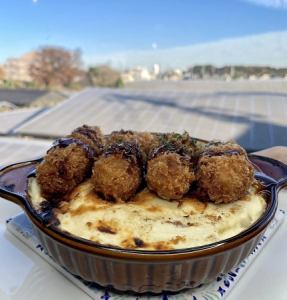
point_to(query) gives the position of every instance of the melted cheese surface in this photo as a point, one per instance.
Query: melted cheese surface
(149, 222)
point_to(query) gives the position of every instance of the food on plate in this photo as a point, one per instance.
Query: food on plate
(69, 161)
(184, 141)
(224, 172)
(146, 140)
(169, 171)
(66, 164)
(148, 222)
(117, 174)
(151, 191)
(91, 136)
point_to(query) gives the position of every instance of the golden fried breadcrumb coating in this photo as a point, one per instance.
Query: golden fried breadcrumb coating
(224, 172)
(183, 140)
(117, 174)
(146, 140)
(169, 172)
(169, 163)
(62, 169)
(91, 136)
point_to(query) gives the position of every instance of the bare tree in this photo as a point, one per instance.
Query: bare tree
(104, 76)
(2, 74)
(54, 66)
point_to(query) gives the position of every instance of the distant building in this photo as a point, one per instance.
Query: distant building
(265, 77)
(127, 77)
(138, 73)
(17, 69)
(252, 77)
(174, 75)
(156, 70)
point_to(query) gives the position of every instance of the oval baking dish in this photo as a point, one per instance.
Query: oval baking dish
(143, 270)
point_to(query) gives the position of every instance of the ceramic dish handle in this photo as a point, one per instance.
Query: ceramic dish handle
(13, 181)
(272, 168)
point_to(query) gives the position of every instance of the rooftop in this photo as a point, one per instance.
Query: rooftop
(252, 113)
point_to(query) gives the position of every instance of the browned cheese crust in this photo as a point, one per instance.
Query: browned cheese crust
(117, 174)
(62, 170)
(169, 174)
(224, 172)
(91, 136)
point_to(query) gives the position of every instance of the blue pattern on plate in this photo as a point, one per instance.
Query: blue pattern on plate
(106, 296)
(221, 291)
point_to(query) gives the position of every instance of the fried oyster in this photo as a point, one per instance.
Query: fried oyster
(183, 140)
(168, 163)
(69, 162)
(91, 136)
(117, 174)
(169, 171)
(65, 166)
(224, 172)
(146, 140)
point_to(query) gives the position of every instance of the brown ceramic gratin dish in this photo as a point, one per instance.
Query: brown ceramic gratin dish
(144, 270)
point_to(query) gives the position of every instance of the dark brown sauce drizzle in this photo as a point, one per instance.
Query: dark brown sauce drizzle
(139, 242)
(65, 142)
(215, 153)
(47, 213)
(106, 229)
(171, 147)
(168, 148)
(90, 134)
(86, 131)
(129, 151)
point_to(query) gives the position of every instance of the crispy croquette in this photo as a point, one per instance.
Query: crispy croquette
(69, 161)
(146, 140)
(169, 171)
(224, 172)
(63, 168)
(123, 161)
(183, 140)
(91, 136)
(117, 174)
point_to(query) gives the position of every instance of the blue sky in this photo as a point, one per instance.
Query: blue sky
(102, 27)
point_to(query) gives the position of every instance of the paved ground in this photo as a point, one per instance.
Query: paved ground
(255, 119)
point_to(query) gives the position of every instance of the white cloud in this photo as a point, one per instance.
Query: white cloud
(270, 3)
(34, 1)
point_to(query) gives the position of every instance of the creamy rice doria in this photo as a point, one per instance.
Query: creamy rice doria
(149, 222)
